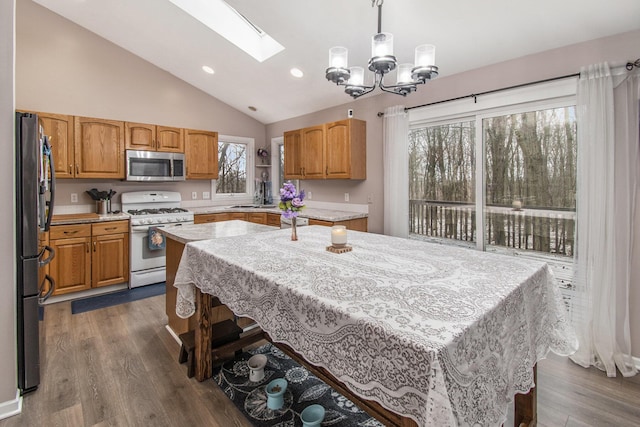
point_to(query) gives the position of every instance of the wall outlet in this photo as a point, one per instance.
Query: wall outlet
(206, 195)
(309, 195)
(194, 195)
(74, 197)
(346, 197)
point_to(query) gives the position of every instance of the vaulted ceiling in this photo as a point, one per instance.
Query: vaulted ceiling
(467, 33)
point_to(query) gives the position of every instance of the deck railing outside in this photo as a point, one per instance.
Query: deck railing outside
(537, 229)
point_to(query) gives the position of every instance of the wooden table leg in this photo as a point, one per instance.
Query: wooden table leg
(204, 367)
(525, 414)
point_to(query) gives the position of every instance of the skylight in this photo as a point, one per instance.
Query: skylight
(233, 26)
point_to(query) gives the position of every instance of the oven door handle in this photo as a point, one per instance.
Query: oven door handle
(144, 228)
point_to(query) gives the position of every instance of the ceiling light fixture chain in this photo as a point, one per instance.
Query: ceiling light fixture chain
(382, 62)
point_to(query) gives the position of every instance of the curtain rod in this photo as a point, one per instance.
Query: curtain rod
(629, 66)
(475, 95)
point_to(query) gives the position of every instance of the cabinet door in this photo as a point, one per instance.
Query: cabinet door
(293, 155)
(71, 267)
(110, 259)
(273, 219)
(338, 150)
(140, 136)
(170, 139)
(59, 128)
(313, 152)
(201, 149)
(99, 148)
(257, 217)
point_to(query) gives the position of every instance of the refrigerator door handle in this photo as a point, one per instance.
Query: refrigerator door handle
(52, 287)
(52, 254)
(52, 172)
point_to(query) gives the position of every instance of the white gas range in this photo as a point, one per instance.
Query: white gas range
(150, 209)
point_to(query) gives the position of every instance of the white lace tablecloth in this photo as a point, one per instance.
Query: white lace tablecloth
(444, 335)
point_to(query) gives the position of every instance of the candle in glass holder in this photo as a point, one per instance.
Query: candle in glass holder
(338, 235)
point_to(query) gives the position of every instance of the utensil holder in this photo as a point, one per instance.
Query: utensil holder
(102, 207)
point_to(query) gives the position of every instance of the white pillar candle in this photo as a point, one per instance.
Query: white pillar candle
(338, 235)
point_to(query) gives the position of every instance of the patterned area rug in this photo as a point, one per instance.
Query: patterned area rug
(304, 389)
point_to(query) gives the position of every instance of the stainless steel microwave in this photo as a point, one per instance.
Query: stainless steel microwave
(155, 166)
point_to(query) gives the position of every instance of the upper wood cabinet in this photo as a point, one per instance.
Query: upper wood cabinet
(201, 152)
(99, 148)
(293, 154)
(141, 136)
(59, 128)
(345, 152)
(335, 150)
(313, 142)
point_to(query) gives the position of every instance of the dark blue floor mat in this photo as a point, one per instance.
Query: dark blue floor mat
(120, 297)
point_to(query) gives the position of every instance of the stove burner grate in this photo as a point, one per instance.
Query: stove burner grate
(150, 211)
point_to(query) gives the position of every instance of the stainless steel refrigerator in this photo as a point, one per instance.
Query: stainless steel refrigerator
(35, 194)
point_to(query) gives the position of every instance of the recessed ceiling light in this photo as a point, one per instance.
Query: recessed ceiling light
(296, 72)
(207, 69)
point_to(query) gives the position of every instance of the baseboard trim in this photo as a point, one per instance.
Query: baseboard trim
(11, 407)
(636, 361)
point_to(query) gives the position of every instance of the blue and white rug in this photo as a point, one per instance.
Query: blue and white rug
(304, 389)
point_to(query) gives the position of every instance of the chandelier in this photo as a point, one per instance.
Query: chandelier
(382, 62)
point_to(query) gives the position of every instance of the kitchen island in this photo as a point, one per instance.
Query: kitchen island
(419, 333)
(176, 239)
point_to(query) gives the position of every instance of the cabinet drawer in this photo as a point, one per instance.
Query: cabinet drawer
(257, 217)
(110, 227)
(273, 219)
(320, 222)
(68, 231)
(238, 215)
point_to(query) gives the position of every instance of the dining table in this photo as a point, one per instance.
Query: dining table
(429, 334)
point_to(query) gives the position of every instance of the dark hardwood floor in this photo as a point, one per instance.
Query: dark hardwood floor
(118, 367)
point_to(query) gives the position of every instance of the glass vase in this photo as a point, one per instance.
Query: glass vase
(294, 230)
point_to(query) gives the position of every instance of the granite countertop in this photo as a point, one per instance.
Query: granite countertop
(313, 213)
(87, 218)
(213, 230)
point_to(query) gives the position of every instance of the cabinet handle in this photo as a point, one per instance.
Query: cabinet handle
(70, 169)
(109, 228)
(326, 171)
(71, 232)
(77, 169)
(94, 246)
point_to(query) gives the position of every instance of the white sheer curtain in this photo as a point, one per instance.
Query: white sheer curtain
(607, 185)
(396, 171)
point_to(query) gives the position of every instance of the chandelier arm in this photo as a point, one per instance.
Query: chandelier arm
(383, 87)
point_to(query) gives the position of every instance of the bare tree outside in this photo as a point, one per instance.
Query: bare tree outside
(232, 168)
(530, 180)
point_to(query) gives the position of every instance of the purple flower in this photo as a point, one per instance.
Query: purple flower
(291, 202)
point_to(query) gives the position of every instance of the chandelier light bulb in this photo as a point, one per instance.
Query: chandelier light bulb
(404, 74)
(338, 57)
(357, 76)
(382, 44)
(425, 55)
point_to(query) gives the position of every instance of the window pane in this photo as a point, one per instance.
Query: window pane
(442, 181)
(232, 168)
(531, 180)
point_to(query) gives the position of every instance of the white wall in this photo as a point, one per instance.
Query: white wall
(544, 65)
(8, 374)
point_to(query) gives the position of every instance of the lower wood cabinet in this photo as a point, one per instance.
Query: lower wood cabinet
(358, 224)
(89, 255)
(110, 257)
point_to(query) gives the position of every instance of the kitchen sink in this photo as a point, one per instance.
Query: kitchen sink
(251, 206)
